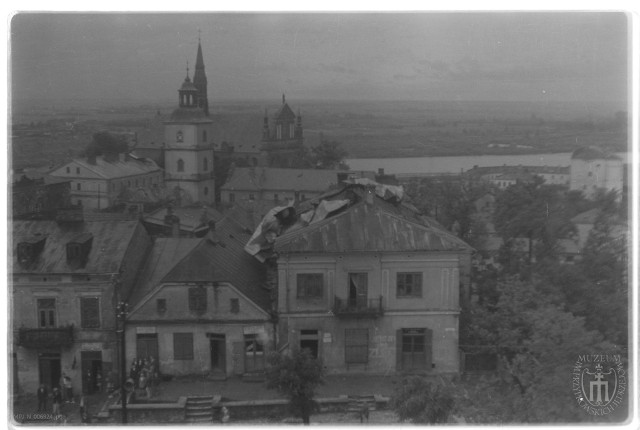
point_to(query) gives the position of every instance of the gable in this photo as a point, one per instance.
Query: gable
(74, 167)
(177, 308)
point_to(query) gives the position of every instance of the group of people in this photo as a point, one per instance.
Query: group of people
(144, 374)
(59, 394)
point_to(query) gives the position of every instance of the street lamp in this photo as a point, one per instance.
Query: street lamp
(121, 315)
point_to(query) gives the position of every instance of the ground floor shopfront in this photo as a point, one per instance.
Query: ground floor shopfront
(218, 350)
(419, 342)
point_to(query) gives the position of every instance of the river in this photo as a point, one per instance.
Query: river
(455, 164)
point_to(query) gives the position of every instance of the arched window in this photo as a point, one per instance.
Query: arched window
(180, 165)
(205, 164)
(179, 136)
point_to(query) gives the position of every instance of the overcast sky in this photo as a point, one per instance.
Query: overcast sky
(528, 56)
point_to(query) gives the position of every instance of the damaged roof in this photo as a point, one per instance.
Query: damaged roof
(367, 222)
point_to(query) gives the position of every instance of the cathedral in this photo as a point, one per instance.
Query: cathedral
(188, 152)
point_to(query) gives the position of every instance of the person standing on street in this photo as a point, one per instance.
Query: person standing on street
(57, 400)
(42, 398)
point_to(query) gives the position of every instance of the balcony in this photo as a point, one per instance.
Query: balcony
(45, 337)
(359, 308)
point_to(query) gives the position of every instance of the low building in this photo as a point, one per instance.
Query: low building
(201, 306)
(67, 278)
(365, 283)
(278, 185)
(39, 198)
(593, 169)
(103, 181)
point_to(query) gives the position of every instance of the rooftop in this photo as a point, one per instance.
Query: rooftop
(112, 168)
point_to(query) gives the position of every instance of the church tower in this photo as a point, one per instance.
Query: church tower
(282, 140)
(188, 155)
(200, 81)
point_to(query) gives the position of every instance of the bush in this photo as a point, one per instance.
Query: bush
(422, 402)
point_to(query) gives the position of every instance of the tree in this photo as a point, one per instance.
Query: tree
(296, 376)
(422, 402)
(537, 342)
(328, 154)
(105, 143)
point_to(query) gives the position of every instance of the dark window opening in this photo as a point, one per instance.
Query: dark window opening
(309, 339)
(198, 299)
(46, 313)
(409, 284)
(309, 285)
(234, 304)
(161, 305)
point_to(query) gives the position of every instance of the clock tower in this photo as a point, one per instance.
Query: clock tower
(188, 155)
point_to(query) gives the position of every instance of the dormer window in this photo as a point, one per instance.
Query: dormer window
(29, 249)
(78, 250)
(179, 136)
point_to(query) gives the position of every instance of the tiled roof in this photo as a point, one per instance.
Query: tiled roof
(110, 242)
(376, 226)
(269, 178)
(115, 168)
(223, 260)
(163, 256)
(191, 218)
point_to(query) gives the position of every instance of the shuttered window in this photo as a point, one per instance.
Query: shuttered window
(90, 312)
(198, 299)
(183, 346)
(356, 345)
(309, 285)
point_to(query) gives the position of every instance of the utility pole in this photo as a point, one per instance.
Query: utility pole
(121, 315)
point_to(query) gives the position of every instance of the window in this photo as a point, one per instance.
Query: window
(291, 130)
(180, 165)
(356, 345)
(253, 353)
(183, 346)
(409, 284)
(206, 191)
(252, 197)
(179, 136)
(204, 137)
(89, 312)
(234, 304)
(415, 352)
(232, 197)
(198, 299)
(46, 313)
(279, 131)
(309, 285)
(78, 186)
(276, 197)
(73, 251)
(77, 170)
(161, 305)
(68, 169)
(205, 164)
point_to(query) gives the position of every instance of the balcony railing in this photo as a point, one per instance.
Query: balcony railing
(349, 308)
(45, 337)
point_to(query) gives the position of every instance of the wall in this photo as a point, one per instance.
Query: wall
(217, 319)
(437, 309)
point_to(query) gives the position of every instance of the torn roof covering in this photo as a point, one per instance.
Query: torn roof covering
(362, 216)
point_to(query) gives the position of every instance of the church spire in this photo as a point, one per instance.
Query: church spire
(200, 79)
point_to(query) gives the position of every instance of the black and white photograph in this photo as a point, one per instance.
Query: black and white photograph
(321, 218)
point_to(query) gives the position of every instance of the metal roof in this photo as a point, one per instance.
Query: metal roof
(369, 224)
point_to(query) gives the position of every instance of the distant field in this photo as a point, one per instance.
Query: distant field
(366, 129)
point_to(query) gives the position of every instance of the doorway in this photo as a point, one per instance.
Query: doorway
(91, 365)
(309, 340)
(49, 369)
(416, 349)
(147, 346)
(358, 290)
(217, 347)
